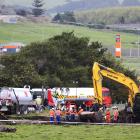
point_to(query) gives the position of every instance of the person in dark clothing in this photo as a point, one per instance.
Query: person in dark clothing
(83, 106)
(72, 114)
(95, 107)
(67, 115)
(100, 115)
(129, 113)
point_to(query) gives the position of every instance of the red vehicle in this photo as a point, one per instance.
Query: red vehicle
(107, 101)
(70, 105)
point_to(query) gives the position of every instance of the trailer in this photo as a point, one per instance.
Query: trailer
(16, 100)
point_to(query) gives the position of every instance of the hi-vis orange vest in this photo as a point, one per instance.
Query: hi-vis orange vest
(80, 111)
(58, 112)
(52, 113)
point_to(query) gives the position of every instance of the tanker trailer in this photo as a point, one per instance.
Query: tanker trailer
(16, 100)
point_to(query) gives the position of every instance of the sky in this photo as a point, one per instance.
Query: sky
(48, 3)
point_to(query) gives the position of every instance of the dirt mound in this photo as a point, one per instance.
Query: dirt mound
(7, 129)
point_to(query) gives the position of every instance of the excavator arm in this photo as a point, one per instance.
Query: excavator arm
(100, 71)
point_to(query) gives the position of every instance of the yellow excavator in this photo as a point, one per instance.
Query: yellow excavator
(99, 71)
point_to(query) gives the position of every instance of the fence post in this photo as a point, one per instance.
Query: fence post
(130, 52)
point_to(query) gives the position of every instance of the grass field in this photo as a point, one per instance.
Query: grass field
(29, 32)
(65, 132)
(132, 63)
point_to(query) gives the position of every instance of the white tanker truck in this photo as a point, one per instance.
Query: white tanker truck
(16, 100)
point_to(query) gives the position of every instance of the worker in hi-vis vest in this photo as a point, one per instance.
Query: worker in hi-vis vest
(52, 115)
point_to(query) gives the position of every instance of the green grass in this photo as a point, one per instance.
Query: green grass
(84, 132)
(45, 113)
(132, 63)
(30, 32)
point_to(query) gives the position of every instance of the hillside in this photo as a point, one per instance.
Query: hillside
(131, 2)
(115, 15)
(27, 32)
(84, 4)
(93, 4)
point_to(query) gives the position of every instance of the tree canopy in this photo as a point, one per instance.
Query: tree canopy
(37, 7)
(67, 17)
(59, 61)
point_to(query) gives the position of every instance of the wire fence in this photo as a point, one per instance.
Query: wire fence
(126, 52)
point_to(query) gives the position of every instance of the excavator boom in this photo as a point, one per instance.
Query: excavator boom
(100, 71)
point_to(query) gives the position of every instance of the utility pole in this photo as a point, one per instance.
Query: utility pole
(76, 83)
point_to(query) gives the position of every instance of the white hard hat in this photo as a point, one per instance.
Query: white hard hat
(107, 108)
(114, 107)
